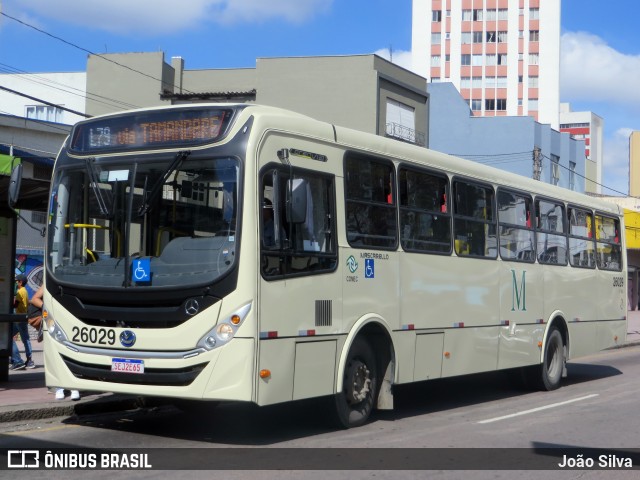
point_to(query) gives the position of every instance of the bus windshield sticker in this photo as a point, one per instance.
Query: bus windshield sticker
(141, 270)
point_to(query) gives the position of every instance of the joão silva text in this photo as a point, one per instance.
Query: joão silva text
(604, 461)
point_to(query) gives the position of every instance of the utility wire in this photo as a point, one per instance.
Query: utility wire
(582, 176)
(67, 89)
(44, 101)
(84, 49)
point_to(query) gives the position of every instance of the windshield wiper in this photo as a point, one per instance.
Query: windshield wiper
(149, 199)
(105, 210)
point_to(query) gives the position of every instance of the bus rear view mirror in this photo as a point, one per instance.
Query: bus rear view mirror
(297, 200)
(14, 185)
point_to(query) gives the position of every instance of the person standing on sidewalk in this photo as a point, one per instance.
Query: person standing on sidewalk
(20, 305)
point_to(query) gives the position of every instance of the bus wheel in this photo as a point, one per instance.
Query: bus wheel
(359, 386)
(547, 376)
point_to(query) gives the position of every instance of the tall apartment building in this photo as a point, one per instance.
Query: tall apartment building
(589, 127)
(502, 55)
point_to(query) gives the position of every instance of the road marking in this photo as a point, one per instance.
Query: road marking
(40, 430)
(533, 410)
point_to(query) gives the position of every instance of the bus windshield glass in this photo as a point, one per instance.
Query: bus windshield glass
(129, 222)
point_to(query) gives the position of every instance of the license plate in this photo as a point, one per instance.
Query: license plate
(127, 365)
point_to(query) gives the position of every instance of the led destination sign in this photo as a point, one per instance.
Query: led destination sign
(167, 128)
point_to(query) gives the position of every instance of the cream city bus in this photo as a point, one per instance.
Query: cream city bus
(247, 253)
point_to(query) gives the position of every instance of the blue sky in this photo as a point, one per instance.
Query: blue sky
(232, 33)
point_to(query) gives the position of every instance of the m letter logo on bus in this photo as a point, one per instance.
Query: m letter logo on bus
(519, 294)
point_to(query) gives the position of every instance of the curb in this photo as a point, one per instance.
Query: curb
(110, 403)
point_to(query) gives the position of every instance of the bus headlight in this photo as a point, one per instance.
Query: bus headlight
(53, 328)
(225, 330)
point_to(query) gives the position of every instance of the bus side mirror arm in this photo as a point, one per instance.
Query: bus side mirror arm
(15, 183)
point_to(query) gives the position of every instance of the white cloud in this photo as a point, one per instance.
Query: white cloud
(153, 17)
(591, 69)
(600, 77)
(401, 58)
(616, 162)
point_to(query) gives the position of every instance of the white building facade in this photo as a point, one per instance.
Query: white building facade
(502, 55)
(589, 127)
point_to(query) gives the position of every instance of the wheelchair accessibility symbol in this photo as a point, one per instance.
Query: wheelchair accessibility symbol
(369, 268)
(141, 270)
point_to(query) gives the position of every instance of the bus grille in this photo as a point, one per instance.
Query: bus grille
(323, 313)
(177, 377)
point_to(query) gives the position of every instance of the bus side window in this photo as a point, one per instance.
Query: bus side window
(370, 203)
(474, 220)
(306, 242)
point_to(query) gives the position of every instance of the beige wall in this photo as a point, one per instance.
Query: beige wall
(121, 81)
(349, 91)
(634, 164)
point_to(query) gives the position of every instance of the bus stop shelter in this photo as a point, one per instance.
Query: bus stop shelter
(33, 196)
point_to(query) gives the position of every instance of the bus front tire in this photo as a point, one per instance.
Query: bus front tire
(354, 403)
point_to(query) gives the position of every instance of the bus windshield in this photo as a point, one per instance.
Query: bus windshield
(129, 222)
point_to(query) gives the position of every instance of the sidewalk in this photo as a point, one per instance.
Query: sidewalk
(25, 397)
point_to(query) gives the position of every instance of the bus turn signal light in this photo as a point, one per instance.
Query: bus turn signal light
(265, 373)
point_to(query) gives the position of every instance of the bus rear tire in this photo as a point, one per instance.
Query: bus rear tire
(354, 403)
(548, 374)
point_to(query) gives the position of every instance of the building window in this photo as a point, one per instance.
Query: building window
(534, 36)
(436, 16)
(572, 175)
(476, 105)
(490, 15)
(465, 59)
(491, 37)
(555, 169)
(476, 82)
(401, 121)
(534, 59)
(489, 104)
(502, 59)
(465, 38)
(466, 15)
(534, 14)
(533, 104)
(533, 82)
(502, 37)
(491, 59)
(478, 15)
(435, 60)
(501, 104)
(503, 14)
(46, 113)
(477, 37)
(476, 60)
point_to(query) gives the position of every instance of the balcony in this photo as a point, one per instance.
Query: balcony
(405, 134)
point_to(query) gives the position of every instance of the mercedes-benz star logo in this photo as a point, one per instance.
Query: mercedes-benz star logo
(127, 338)
(191, 307)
